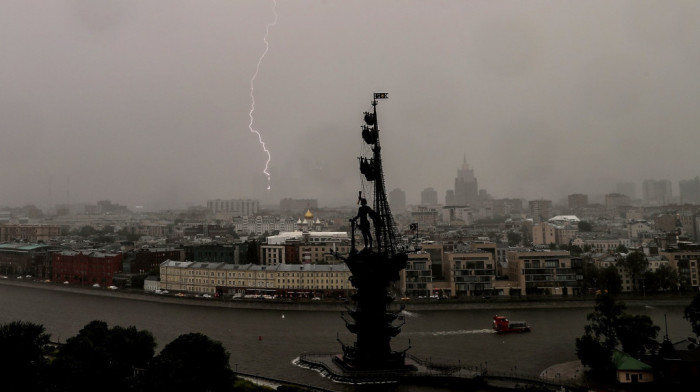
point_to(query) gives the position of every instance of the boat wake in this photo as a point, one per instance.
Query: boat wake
(406, 313)
(449, 333)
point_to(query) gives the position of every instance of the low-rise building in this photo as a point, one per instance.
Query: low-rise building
(250, 279)
(86, 268)
(151, 284)
(25, 259)
(29, 233)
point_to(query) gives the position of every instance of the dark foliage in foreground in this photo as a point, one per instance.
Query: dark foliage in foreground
(100, 358)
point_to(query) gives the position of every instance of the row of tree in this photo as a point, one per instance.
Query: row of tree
(112, 359)
(608, 279)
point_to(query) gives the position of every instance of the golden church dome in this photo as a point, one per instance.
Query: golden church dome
(308, 215)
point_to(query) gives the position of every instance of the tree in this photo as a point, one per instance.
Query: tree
(609, 280)
(575, 250)
(584, 226)
(636, 264)
(514, 238)
(23, 347)
(590, 276)
(637, 334)
(98, 353)
(664, 278)
(596, 346)
(667, 277)
(692, 314)
(87, 231)
(191, 362)
(621, 249)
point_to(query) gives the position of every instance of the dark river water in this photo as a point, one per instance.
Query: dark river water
(265, 342)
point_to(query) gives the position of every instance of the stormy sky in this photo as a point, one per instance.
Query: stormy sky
(147, 102)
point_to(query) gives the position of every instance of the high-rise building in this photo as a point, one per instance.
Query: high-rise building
(298, 205)
(615, 200)
(540, 210)
(397, 200)
(240, 207)
(656, 192)
(690, 191)
(466, 187)
(450, 197)
(577, 200)
(428, 197)
(626, 188)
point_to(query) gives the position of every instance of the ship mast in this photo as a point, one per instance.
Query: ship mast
(385, 232)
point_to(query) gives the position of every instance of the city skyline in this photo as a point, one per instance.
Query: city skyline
(147, 103)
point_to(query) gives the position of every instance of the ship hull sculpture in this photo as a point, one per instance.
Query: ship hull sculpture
(373, 269)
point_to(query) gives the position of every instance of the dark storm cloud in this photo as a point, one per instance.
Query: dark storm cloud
(145, 102)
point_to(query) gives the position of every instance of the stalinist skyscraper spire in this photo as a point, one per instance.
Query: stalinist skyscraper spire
(466, 187)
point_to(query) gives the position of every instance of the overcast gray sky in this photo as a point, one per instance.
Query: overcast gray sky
(145, 102)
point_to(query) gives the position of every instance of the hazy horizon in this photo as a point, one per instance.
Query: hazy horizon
(147, 103)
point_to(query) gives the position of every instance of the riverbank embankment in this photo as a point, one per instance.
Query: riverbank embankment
(338, 305)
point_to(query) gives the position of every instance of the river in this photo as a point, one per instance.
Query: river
(265, 342)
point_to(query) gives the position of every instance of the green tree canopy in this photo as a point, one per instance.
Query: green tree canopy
(637, 334)
(665, 278)
(636, 264)
(596, 346)
(191, 362)
(692, 314)
(98, 353)
(23, 346)
(584, 226)
(609, 326)
(514, 238)
(609, 280)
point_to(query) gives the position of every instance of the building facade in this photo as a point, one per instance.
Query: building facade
(577, 201)
(234, 207)
(86, 268)
(416, 279)
(540, 210)
(29, 233)
(429, 197)
(542, 272)
(283, 280)
(473, 272)
(25, 259)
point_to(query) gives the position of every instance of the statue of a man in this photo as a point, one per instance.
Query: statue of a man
(364, 213)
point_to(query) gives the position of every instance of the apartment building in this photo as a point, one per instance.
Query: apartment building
(686, 263)
(417, 279)
(474, 272)
(542, 272)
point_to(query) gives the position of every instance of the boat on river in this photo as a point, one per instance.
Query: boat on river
(502, 324)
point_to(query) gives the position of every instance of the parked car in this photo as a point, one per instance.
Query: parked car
(112, 287)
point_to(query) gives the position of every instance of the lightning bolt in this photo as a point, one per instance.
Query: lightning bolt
(252, 93)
